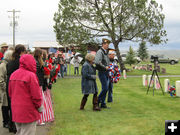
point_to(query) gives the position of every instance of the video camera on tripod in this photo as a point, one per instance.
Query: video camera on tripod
(155, 60)
(154, 73)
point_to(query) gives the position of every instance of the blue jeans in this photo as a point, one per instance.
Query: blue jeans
(110, 91)
(103, 77)
(65, 69)
(76, 68)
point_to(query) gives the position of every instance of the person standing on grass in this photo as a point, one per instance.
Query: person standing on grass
(25, 95)
(102, 63)
(61, 62)
(76, 62)
(110, 91)
(88, 83)
(3, 80)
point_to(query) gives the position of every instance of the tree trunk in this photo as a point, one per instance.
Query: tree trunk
(121, 63)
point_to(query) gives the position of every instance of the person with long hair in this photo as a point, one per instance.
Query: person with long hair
(47, 114)
(12, 66)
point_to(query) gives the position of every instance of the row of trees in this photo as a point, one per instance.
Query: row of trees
(142, 54)
(81, 21)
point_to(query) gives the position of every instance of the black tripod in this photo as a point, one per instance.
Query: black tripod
(153, 75)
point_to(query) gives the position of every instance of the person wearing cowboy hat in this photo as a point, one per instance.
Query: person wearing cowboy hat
(102, 63)
(3, 48)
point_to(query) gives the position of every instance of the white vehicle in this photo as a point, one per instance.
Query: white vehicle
(123, 56)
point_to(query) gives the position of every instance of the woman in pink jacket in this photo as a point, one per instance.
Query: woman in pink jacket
(25, 95)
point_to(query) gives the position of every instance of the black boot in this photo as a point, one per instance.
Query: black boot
(83, 103)
(12, 127)
(5, 116)
(11, 124)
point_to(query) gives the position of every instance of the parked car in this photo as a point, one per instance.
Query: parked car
(164, 59)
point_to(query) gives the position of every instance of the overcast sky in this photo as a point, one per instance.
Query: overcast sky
(35, 22)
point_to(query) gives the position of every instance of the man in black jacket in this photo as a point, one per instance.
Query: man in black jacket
(102, 63)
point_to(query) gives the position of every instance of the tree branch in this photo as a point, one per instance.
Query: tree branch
(112, 21)
(105, 23)
(135, 34)
(88, 26)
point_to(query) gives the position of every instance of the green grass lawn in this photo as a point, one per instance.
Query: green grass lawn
(170, 69)
(132, 112)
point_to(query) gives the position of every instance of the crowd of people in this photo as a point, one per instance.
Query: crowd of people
(26, 80)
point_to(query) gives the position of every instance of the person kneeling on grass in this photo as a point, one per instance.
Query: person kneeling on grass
(25, 95)
(88, 82)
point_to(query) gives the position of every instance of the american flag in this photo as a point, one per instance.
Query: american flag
(48, 114)
(157, 84)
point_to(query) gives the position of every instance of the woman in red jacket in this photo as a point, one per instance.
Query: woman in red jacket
(25, 95)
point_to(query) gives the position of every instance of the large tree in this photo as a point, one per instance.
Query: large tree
(78, 21)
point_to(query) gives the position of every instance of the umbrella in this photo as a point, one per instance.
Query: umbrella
(77, 54)
(79, 58)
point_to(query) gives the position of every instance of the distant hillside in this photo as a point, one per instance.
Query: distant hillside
(169, 53)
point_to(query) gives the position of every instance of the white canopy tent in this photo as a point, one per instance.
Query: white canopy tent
(46, 44)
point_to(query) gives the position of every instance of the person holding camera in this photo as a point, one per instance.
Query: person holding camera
(88, 83)
(102, 63)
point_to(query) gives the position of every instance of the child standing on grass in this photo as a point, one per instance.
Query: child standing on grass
(88, 82)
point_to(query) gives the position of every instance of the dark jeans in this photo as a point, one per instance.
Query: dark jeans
(62, 70)
(110, 92)
(5, 115)
(76, 68)
(103, 77)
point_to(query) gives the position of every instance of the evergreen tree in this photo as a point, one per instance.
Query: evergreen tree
(142, 51)
(130, 57)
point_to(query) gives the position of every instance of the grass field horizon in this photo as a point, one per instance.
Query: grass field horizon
(170, 69)
(132, 112)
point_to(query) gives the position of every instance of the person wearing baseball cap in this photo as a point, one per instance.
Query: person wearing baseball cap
(102, 63)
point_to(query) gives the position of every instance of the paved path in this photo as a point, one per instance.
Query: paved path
(41, 130)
